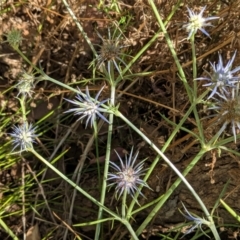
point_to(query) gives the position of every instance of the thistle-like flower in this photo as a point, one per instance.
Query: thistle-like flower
(14, 38)
(127, 176)
(88, 107)
(25, 85)
(197, 221)
(197, 22)
(222, 78)
(23, 136)
(111, 52)
(228, 108)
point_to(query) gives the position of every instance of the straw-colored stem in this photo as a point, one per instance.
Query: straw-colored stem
(79, 27)
(171, 48)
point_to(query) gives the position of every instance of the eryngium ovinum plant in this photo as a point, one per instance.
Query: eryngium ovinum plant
(87, 107)
(197, 22)
(221, 81)
(111, 53)
(23, 135)
(127, 175)
(224, 87)
(227, 108)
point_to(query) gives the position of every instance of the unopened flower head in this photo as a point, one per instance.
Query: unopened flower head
(14, 38)
(111, 52)
(87, 107)
(197, 221)
(127, 175)
(23, 136)
(228, 111)
(197, 22)
(221, 79)
(25, 85)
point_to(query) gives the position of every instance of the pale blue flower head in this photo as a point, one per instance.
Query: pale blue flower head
(197, 22)
(127, 176)
(222, 78)
(197, 221)
(23, 136)
(87, 107)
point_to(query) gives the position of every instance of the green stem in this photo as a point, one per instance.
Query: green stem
(213, 228)
(132, 232)
(122, 220)
(124, 203)
(154, 163)
(216, 136)
(8, 230)
(170, 191)
(152, 40)
(95, 132)
(171, 48)
(194, 60)
(26, 59)
(194, 97)
(43, 75)
(107, 159)
(23, 107)
(48, 164)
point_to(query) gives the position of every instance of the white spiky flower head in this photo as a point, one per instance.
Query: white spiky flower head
(87, 107)
(23, 136)
(222, 78)
(197, 22)
(127, 175)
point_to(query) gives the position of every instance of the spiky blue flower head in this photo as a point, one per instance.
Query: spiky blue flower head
(23, 136)
(127, 176)
(198, 222)
(197, 22)
(87, 107)
(221, 79)
(228, 111)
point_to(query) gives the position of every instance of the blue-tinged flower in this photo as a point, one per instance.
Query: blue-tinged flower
(197, 22)
(228, 111)
(127, 175)
(87, 107)
(23, 136)
(196, 220)
(222, 78)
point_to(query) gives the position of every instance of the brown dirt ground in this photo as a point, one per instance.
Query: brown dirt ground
(51, 37)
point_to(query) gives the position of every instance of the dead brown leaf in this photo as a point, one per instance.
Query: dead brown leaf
(33, 233)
